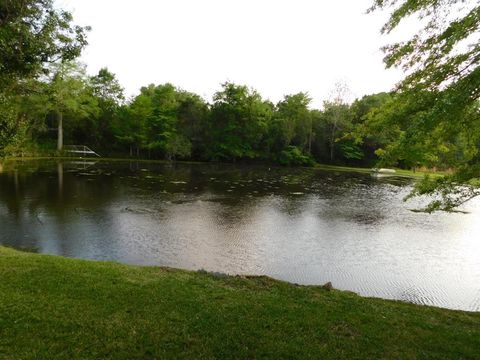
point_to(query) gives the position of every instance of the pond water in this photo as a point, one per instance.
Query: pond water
(300, 225)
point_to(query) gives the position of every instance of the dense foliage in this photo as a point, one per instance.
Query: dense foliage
(436, 113)
(165, 122)
(33, 34)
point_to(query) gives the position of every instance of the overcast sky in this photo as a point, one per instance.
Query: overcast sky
(277, 47)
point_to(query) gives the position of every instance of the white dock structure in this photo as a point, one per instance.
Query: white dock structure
(79, 150)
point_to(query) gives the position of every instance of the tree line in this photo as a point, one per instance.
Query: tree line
(165, 122)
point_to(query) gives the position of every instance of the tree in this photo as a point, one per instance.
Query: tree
(130, 128)
(239, 120)
(109, 94)
(320, 143)
(437, 104)
(193, 122)
(68, 92)
(12, 124)
(161, 124)
(293, 121)
(166, 121)
(336, 110)
(367, 129)
(32, 34)
(106, 88)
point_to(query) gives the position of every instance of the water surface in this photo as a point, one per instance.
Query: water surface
(300, 225)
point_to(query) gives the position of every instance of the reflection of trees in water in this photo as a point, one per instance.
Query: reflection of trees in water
(353, 197)
(68, 191)
(41, 199)
(292, 205)
(367, 208)
(53, 192)
(361, 200)
(229, 180)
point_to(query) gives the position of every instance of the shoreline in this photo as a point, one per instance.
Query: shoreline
(323, 167)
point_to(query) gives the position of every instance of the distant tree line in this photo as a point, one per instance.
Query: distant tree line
(65, 105)
(165, 122)
(47, 100)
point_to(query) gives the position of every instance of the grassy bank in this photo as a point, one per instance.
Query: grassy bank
(58, 308)
(398, 172)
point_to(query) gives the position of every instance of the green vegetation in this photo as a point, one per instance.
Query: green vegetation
(33, 34)
(58, 308)
(435, 115)
(164, 122)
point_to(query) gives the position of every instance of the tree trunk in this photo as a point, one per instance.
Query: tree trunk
(60, 131)
(310, 138)
(332, 144)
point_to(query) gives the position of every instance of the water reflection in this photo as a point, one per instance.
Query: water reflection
(300, 225)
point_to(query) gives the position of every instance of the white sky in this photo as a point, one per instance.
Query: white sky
(277, 47)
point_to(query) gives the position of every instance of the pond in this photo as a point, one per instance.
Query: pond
(304, 226)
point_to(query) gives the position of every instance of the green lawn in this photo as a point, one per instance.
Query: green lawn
(399, 172)
(59, 308)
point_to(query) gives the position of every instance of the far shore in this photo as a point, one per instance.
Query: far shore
(326, 167)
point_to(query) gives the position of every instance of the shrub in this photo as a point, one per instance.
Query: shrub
(292, 156)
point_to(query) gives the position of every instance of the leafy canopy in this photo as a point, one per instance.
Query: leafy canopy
(437, 103)
(33, 33)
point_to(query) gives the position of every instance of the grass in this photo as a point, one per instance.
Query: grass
(398, 172)
(59, 308)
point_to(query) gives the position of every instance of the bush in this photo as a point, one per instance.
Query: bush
(293, 156)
